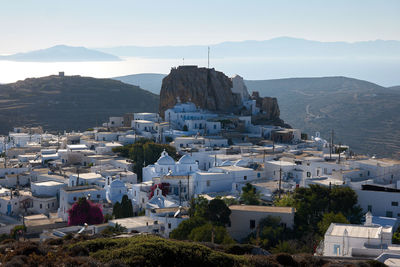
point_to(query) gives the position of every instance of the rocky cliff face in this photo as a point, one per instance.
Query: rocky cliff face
(269, 111)
(214, 91)
(206, 88)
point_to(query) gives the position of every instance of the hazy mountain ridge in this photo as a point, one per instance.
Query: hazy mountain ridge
(69, 103)
(277, 47)
(363, 115)
(61, 53)
(151, 81)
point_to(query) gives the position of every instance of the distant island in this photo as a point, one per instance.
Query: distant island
(286, 47)
(61, 53)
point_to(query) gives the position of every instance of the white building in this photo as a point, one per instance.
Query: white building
(221, 178)
(141, 224)
(348, 240)
(69, 195)
(90, 178)
(107, 136)
(146, 116)
(379, 200)
(143, 126)
(115, 190)
(169, 218)
(166, 165)
(49, 188)
(246, 218)
(187, 114)
(114, 122)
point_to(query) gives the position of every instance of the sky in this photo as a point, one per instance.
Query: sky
(33, 24)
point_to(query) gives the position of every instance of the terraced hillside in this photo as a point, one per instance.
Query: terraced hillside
(364, 115)
(70, 102)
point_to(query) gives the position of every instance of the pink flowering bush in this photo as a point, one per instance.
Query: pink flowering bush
(84, 211)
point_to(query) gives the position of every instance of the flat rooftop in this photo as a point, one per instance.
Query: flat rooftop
(281, 163)
(134, 222)
(48, 183)
(89, 175)
(361, 231)
(144, 121)
(232, 168)
(81, 188)
(270, 209)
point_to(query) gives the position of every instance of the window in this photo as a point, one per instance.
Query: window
(52, 204)
(245, 178)
(208, 182)
(370, 208)
(258, 175)
(368, 173)
(169, 226)
(98, 196)
(74, 198)
(252, 224)
(308, 174)
(389, 214)
(48, 205)
(40, 206)
(395, 203)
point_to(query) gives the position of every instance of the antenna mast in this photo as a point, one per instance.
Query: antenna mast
(208, 58)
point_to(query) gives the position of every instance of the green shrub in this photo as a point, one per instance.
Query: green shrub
(155, 251)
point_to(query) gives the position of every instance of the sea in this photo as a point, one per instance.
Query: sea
(384, 72)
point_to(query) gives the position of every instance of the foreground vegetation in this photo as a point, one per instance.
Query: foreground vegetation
(148, 250)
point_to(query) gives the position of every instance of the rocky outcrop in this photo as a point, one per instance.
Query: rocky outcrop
(213, 90)
(206, 88)
(269, 111)
(267, 105)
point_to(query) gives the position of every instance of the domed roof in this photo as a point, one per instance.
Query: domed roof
(165, 159)
(117, 183)
(241, 163)
(186, 159)
(226, 163)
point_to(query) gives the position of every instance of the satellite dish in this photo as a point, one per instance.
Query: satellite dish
(178, 212)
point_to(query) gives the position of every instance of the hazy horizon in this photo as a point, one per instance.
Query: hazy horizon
(31, 25)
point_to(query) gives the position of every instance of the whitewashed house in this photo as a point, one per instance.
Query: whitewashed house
(69, 195)
(348, 240)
